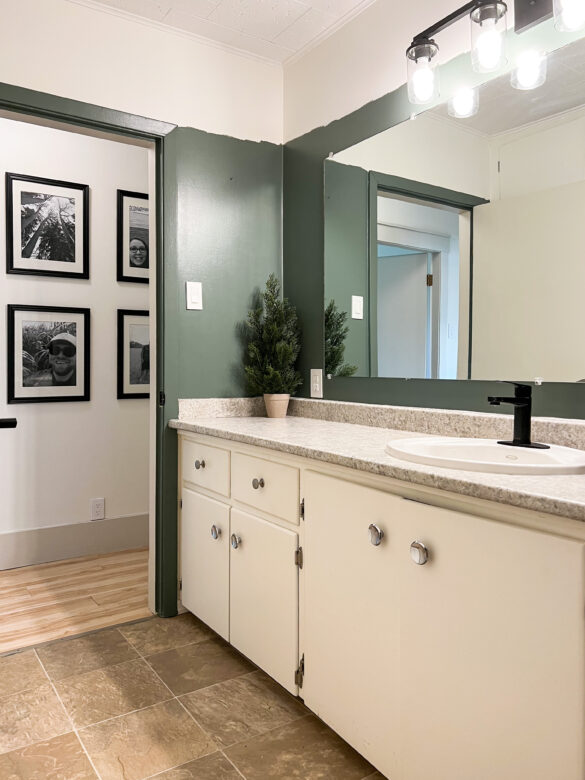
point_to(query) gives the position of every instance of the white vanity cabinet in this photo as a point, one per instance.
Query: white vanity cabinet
(469, 666)
(238, 551)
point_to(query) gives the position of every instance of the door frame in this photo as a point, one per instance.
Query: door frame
(43, 105)
(396, 185)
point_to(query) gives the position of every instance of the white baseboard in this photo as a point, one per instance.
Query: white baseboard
(41, 545)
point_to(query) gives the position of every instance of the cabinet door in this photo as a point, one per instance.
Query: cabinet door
(205, 560)
(264, 596)
(351, 623)
(492, 650)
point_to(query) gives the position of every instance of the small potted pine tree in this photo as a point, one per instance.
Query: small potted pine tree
(273, 346)
(335, 334)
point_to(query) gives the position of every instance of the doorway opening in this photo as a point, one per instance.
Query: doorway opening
(418, 287)
(78, 484)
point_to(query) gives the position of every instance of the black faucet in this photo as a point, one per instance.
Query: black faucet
(522, 403)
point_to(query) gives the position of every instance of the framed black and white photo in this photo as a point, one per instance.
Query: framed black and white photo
(47, 227)
(48, 354)
(133, 354)
(133, 239)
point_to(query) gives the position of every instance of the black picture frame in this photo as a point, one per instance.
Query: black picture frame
(126, 233)
(63, 251)
(33, 380)
(126, 388)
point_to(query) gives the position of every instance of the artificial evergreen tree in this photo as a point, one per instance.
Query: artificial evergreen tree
(335, 333)
(274, 343)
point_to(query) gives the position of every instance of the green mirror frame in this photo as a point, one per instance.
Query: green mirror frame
(303, 245)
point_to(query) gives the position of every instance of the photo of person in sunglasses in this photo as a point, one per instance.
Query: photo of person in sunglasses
(62, 364)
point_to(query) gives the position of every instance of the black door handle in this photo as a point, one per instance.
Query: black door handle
(7, 422)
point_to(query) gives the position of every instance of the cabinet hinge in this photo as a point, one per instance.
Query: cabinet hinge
(299, 557)
(302, 510)
(180, 585)
(300, 672)
(162, 399)
(429, 280)
(180, 503)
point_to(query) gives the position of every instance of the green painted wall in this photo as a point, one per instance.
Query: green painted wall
(223, 206)
(346, 252)
(303, 274)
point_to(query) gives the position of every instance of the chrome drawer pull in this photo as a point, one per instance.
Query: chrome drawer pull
(235, 541)
(215, 532)
(419, 553)
(376, 534)
(199, 464)
(257, 483)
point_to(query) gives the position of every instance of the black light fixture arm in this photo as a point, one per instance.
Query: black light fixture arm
(426, 35)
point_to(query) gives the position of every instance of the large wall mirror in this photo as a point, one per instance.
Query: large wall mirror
(455, 248)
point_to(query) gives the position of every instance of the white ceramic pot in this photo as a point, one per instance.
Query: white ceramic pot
(276, 404)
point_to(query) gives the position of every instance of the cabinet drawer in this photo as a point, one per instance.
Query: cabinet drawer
(277, 486)
(206, 466)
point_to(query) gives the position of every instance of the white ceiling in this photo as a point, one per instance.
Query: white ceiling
(273, 29)
(502, 108)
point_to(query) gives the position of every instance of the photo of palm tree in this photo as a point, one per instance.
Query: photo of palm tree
(47, 227)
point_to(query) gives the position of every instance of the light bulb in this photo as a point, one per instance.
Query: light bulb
(423, 84)
(569, 15)
(421, 62)
(530, 71)
(488, 28)
(489, 47)
(464, 103)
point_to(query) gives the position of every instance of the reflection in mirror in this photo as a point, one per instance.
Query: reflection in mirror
(456, 247)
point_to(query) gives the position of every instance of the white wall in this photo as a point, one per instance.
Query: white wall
(362, 61)
(528, 315)
(529, 277)
(427, 149)
(101, 57)
(63, 454)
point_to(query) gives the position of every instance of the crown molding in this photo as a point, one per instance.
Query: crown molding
(328, 32)
(167, 28)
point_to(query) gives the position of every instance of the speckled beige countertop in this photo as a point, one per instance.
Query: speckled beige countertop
(362, 447)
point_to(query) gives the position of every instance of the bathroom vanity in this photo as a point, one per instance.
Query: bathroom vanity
(434, 618)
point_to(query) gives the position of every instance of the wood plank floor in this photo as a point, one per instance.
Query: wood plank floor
(64, 598)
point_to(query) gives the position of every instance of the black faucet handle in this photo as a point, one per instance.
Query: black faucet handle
(522, 390)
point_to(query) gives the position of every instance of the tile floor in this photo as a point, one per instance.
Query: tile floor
(158, 698)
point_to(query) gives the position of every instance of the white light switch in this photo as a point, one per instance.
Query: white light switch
(194, 292)
(357, 307)
(316, 383)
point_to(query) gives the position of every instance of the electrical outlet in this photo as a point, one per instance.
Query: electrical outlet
(316, 383)
(97, 508)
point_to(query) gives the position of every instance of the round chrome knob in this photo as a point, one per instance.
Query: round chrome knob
(257, 483)
(215, 532)
(235, 541)
(199, 464)
(376, 534)
(419, 553)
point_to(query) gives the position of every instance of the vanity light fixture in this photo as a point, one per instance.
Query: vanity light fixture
(488, 28)
(530, 70)
(569, 15)
(464, 103)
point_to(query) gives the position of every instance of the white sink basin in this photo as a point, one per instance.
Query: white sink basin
(487, 455)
